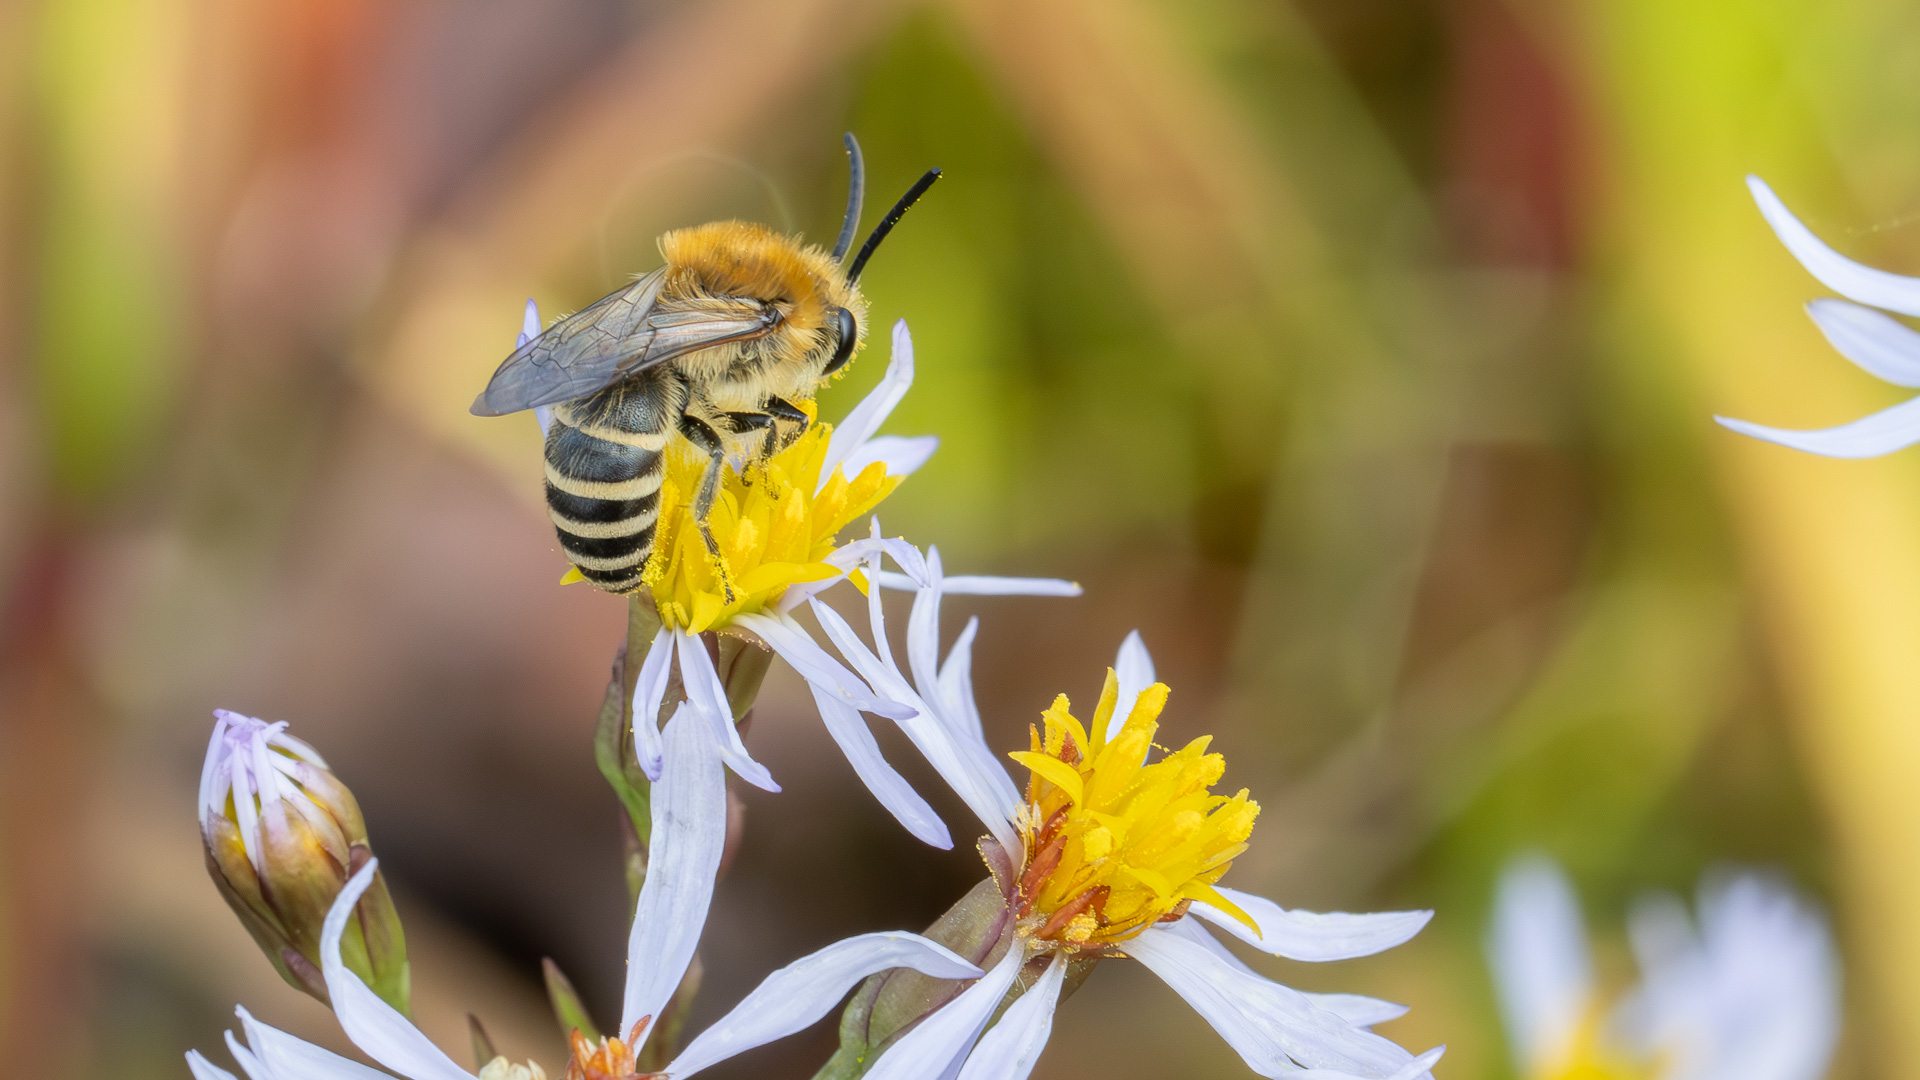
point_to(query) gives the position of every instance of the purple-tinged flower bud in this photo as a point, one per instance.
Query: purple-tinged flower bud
(282, 836)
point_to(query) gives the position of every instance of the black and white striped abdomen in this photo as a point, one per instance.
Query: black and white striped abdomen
(604, 470)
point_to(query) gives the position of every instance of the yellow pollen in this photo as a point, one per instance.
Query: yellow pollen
(770, 527)
(1114, 842)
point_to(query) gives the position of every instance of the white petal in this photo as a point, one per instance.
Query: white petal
(1882, 345)
(1010, 1048)
(689, 807)
(1133, 671)
(865, 419)
(1419, 1066)
(1876, 288)
(1311, 935)
(1890, 429)
(248, 1061)
(1358, 1009)
(202, 1069)
(923, 628)
(286, 1057)
(982, 784)
(708, 696)
(1755, 996)
(210, 767)
(543, 415)
(986, 585)
(529, 323)
(901, 455)
(821, 670)
(937, 1048)
(1271, 1026)
(1537, 947)
(804, 991)
(863, 753)
(649, 690)
(955, 689)
(376, 1027)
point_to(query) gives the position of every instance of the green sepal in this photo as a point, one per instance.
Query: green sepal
(568, 1009)
(483, 1050)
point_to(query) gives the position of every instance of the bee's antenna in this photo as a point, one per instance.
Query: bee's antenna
(856, 193)
(887, 223)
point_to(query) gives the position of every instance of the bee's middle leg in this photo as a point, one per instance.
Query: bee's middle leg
(707, 441)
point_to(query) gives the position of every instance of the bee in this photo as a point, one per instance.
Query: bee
(715, 347)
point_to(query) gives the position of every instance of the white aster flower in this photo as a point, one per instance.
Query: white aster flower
(1105, 854)
(1753, 994)
(689, 831)
(1881, 345)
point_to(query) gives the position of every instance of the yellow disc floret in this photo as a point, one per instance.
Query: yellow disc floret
(1114, 843)
(771, 527)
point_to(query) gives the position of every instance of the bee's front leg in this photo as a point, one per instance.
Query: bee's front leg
(708, 442)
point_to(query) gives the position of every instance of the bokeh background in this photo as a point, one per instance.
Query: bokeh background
(1359, 352)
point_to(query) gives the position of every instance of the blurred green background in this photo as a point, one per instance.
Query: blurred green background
(1359, 352)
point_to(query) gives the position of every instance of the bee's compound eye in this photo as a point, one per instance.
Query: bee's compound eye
(849, 334)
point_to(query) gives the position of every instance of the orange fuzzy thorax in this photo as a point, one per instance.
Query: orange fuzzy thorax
(739, 258)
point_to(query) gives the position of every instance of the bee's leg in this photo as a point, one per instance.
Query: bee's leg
(708, 442)
(787, 410)
(744, 422)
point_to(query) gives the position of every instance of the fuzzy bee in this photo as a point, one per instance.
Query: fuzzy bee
(716, 346)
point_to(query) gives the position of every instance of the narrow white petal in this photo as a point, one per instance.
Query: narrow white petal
(1272, 1027)
(1010, 1048)
(955, 689)
(799, 994)
(1312, 935)
(863, 753)
(936, 1049)
(1883, 346)
(376, 1027)
(529, 323)
(210, 767)
(964, 763)
(689, 807)
(901, 454)
(986, 585)
(649, 690)
(865, 419)
(923, 628)
(1890, 429)
(1542, 973)
(1133, 671)
(1358, 1009)
(248, 1061)
(1876, 288)
(202, 1069)
(820, 669)
(708, 696)
(1419, 1066)
(286, 1057)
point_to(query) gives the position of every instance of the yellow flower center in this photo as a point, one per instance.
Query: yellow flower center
(1588, 1056)
(770, 526)
(1114, 843)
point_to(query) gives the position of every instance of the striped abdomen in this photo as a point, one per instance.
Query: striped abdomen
(603, 477)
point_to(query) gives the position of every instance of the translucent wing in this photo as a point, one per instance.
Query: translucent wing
(614, 337)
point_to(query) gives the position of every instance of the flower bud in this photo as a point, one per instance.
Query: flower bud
(282, 835)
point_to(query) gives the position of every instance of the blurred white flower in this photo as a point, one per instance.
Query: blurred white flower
(689, 830)
(1754, 994)
(1881, 345)
(1107, 854)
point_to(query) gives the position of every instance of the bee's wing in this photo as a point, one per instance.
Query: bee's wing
(612, 338)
